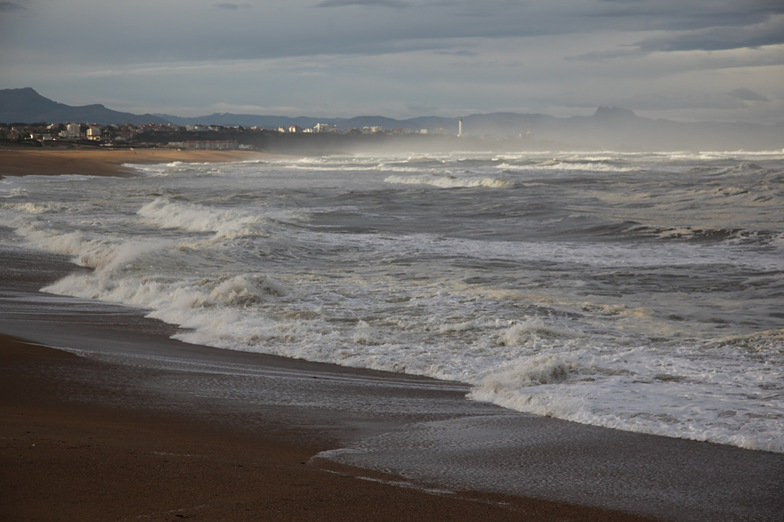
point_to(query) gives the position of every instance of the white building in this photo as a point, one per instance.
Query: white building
(73, 131)
(325, 127)
(94, 133)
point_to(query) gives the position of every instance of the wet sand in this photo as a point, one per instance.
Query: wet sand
(80, 442)
(145, 427)
(106, 438)
(66, 455)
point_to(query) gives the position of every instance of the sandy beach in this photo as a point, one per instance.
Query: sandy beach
(27, 161)
(88, 440)
(78, 443)
(66, 456)
(103, 416)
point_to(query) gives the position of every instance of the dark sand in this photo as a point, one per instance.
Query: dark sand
(66, 455)
(83, 439)
(121, 435)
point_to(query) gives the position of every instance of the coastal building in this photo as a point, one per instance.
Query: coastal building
(325, 127)
(73, 131)
(94, 133)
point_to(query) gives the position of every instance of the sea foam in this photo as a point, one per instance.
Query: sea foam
(449, 181)
(608, 289)
(165, 213)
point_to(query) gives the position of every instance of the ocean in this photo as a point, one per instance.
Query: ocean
(636, 291)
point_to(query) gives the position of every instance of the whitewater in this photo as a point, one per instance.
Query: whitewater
(636, 291)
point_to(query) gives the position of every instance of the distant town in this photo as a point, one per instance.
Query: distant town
(608, 128)
(198, 137)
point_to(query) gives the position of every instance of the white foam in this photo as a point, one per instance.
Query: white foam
(449, 181)
(164, 213)
(36, 208)
(635, 390)
(539, 341)
(73, 243)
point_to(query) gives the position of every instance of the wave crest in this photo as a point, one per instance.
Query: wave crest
(449, 181)
(165, 213)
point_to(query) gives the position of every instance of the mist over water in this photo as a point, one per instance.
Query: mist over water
(636, 291)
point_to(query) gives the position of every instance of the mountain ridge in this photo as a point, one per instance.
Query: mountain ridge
(26, 105)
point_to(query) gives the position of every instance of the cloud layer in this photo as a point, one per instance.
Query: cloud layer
(716, 59)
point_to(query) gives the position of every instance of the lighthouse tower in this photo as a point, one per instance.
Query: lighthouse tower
(460, 127)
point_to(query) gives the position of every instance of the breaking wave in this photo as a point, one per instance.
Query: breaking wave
(449, 181)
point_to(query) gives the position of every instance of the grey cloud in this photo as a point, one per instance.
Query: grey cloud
(686, 15)
(604, 55)
(769, 32)
(11, 6)
(760, 25)
(748, 95)
(232, 7)
(366, 3)
(459, 52)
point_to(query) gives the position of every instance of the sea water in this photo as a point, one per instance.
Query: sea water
(637, 291)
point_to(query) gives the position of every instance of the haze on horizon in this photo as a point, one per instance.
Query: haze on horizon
(692, 60)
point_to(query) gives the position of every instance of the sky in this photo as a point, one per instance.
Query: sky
(684, 60)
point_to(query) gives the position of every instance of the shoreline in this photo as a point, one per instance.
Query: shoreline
(101, 437)
(143, 426)
(72, 448)
(67, 456)
(169, 416)
(107, 162)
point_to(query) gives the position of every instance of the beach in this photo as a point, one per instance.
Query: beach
(106, 416)
(86, 439)
(26, 161)
(67, 456)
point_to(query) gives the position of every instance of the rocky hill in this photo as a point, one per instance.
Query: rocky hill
(27, 106)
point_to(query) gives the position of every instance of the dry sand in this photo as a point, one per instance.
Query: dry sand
(102, 161)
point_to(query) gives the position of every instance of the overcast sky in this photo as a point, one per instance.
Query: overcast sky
(674, 59)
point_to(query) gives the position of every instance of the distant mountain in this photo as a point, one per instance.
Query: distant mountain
(609, 128)
(249, 120)
(27, 106)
